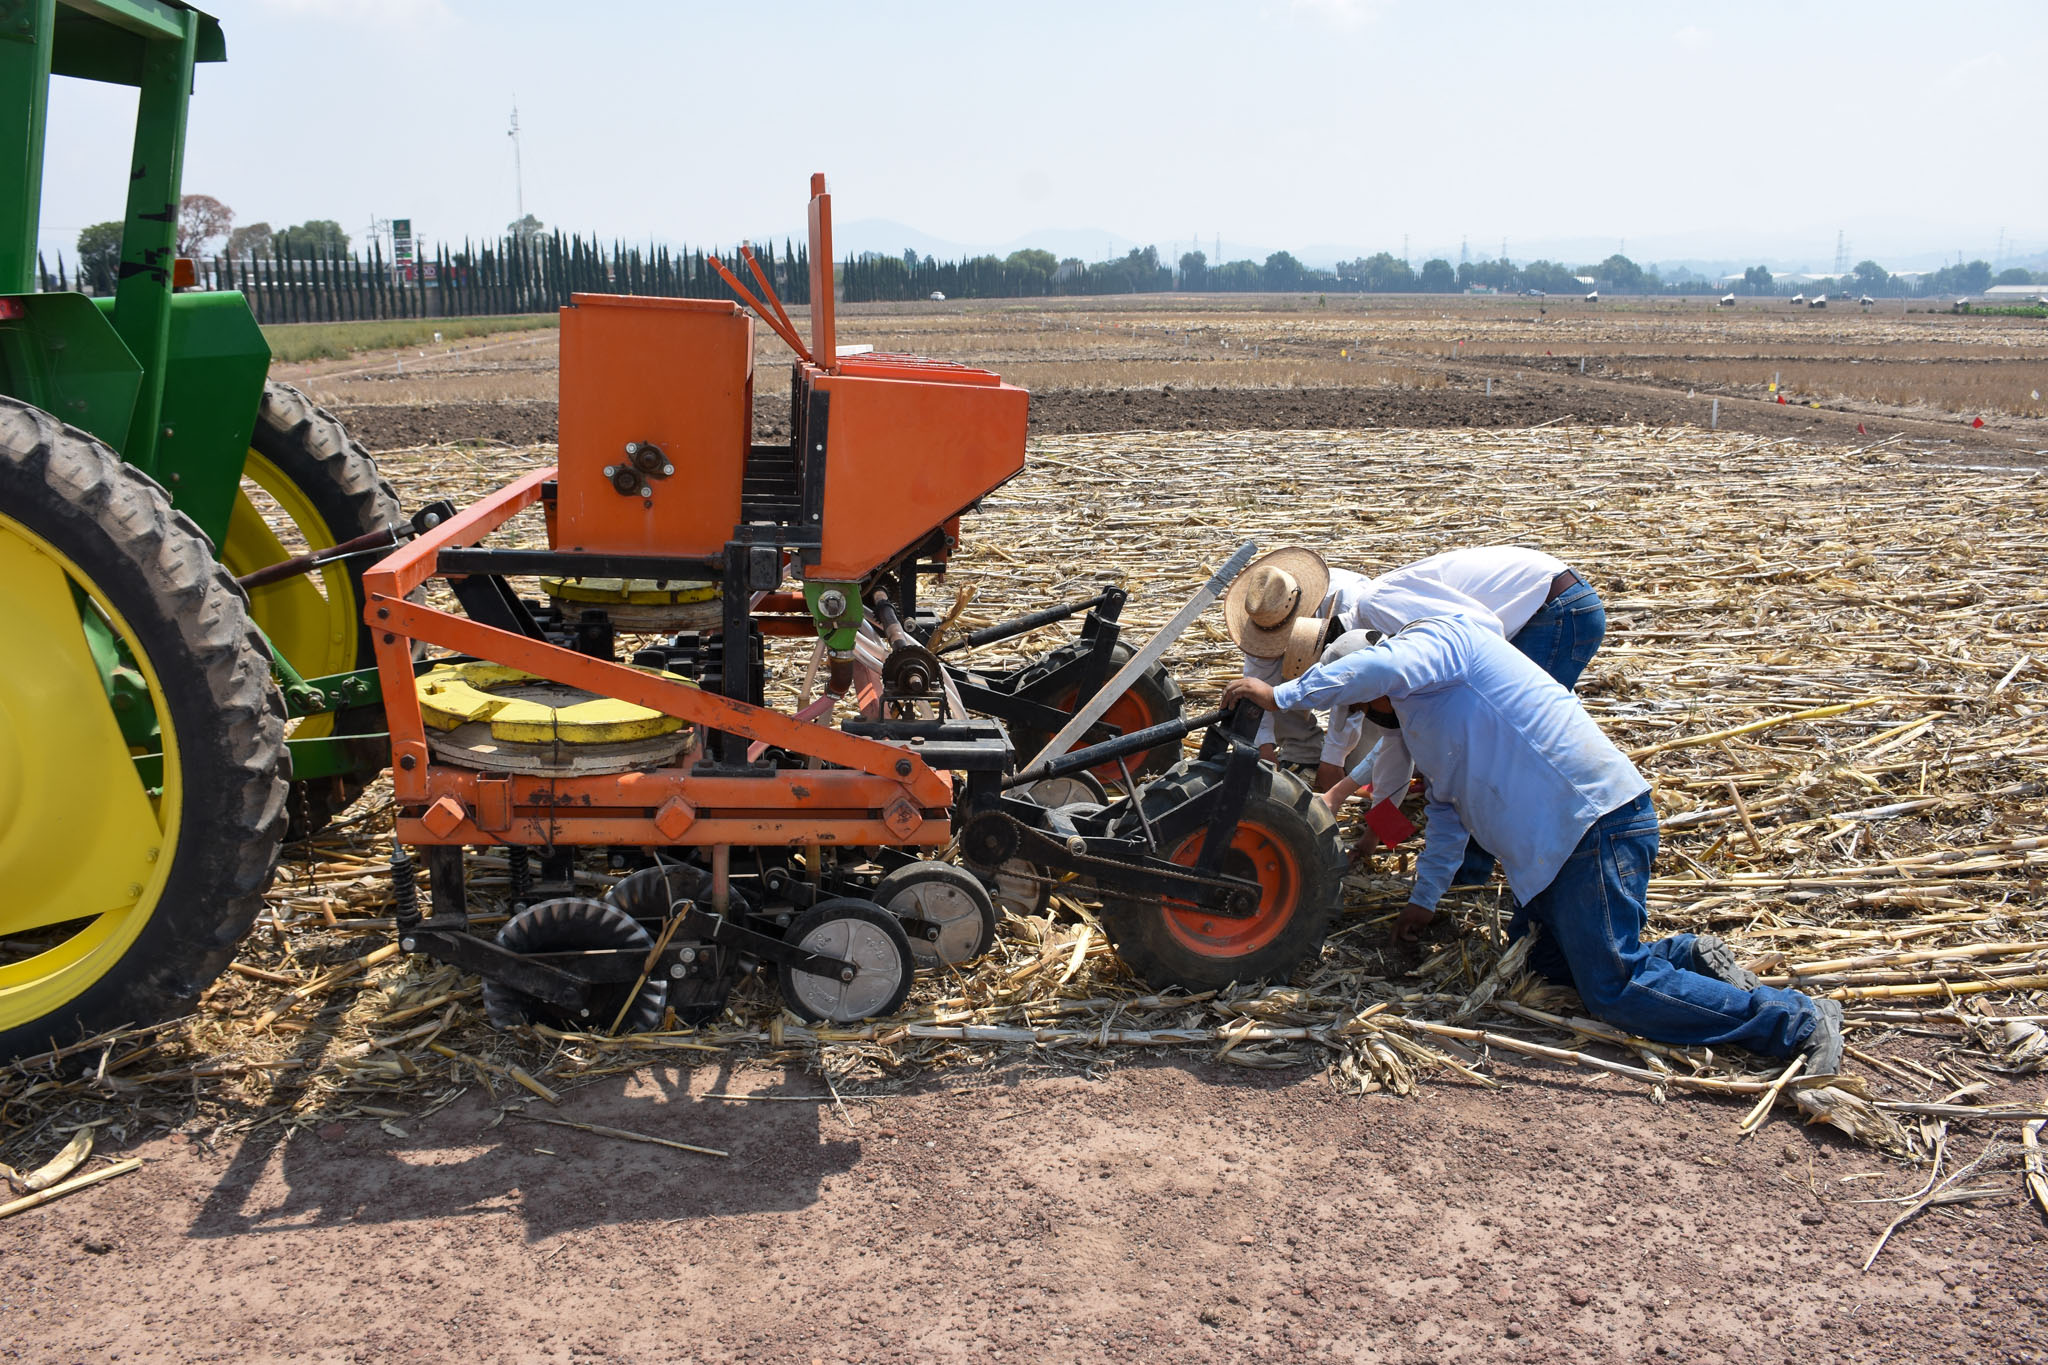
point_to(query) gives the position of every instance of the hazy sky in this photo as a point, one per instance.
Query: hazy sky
(1683, 130)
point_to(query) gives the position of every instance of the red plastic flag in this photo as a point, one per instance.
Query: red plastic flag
(1781, 398)
(1978, 423)
(1386, 821)
(1860, 431)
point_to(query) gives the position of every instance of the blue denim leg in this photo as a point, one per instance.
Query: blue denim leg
(1593, 911)
(1565, 633)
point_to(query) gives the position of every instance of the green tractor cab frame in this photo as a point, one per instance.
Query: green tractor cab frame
(173, 381)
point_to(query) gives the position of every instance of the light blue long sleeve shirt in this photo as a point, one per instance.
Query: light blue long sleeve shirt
(1505, 752)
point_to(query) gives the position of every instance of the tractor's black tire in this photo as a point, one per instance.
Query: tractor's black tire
(1152, 699)
(191, 621)
(339, 478)
(1305, 882)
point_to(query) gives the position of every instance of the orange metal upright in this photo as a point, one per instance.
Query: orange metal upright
(674, 374)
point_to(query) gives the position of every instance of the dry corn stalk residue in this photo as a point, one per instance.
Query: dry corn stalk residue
(1831, 663)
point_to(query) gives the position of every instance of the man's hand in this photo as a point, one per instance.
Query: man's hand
(1249, 689)
(1410, 923)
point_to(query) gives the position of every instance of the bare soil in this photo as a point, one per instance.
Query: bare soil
(1527, 401)
(1157, 1211)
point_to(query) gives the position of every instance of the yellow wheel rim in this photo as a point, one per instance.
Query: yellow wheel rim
(311, 619)
(85, 850)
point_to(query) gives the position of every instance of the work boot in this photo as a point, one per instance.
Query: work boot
(1824, 1044)
(1712, 957)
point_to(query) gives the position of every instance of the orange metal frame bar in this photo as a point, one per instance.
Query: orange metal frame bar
(780, 328)
(616, 809)
(768, 293)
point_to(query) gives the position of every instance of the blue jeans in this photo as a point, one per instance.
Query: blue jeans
(1565, 633)
(1592, 916)
(1562, 638)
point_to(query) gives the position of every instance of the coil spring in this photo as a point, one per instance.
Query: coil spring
(405, 891)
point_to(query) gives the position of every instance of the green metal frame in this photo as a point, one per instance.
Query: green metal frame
(172, 381)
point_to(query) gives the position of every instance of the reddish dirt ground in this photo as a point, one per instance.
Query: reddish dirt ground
(1159, 1211)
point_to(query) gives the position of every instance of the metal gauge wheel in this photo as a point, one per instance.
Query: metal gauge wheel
(858, 932)
(951, 901)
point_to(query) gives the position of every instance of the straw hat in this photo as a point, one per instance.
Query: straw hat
(1304, 646)
(1267, 597)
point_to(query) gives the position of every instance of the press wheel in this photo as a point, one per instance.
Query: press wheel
(575, 924)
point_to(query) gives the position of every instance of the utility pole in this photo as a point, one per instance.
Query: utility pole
(518, 174)
(1841, 253)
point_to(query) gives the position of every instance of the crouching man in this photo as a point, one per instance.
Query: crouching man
(1509, 757)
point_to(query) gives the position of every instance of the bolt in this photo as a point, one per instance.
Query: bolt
(1208, 926)
(632, 447)
(645, 491)
(383, 613)
(846, 973)
(677, 971)
(832, 603)
(902, 767)
(432, 519)
(610, 470)
(584, 1014)
(407, 762)
(389, 638)
(1077, 845)
(407, 945)
(135, 890)
(668, 469)
(687, 955)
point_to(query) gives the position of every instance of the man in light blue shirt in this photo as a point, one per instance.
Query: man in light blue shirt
(1510, 757)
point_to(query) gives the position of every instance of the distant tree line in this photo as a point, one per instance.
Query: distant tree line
(306, 273)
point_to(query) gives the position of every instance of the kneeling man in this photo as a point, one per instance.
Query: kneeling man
(1509, 757)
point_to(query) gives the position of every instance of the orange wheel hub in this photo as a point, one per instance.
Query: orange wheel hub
(1255, 855)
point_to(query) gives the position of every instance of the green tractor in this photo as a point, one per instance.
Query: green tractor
(170, 712)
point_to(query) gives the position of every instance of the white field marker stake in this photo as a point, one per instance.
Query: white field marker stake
(1145, 657)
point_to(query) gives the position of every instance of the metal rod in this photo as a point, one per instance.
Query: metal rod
(1147, 655)
(1022, 625)
(306, 563)
(1137, 741)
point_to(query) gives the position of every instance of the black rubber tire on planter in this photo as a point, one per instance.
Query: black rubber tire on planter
(308, 445)
(648, 895)
(191, 622)
(877, 945)
(1153, 698)
(569, 924)
(1297, 855)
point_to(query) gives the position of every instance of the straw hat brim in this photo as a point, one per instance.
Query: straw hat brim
(1304, 646)
(1307, 568)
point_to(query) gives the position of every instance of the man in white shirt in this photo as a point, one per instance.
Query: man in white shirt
(1510, 756)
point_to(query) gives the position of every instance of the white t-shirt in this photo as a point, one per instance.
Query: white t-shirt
(1500, 586)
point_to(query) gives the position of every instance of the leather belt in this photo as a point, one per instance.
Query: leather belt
(1561, 585)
